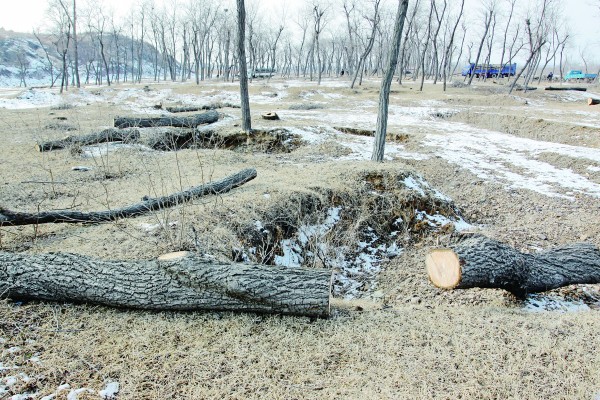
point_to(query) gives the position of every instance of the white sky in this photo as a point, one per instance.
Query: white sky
(581, 16)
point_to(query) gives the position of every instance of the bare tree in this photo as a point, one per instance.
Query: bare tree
(386, 82)
(241, 39)
(427, 36)
(537, 37)
(318, 13)
(374, 21)
(447, 58)
(489, 13)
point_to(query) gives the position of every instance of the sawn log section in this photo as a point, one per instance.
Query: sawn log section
(179, 281)
(482, 262)
(181, 122)
(13, 218)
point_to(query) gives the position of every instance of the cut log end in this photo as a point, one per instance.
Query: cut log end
(271, 116)
(443, 268)
(593, 102)
(173, 256)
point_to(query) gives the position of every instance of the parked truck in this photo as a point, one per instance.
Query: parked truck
(580, 76)
(490, 70)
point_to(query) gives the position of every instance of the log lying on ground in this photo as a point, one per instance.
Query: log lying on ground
(107, 135)
(182, 122)
(168, 138)
(176, 281)
(212, 106)
(482, 262)
(579, 89)
(13, 218)
(593, 102)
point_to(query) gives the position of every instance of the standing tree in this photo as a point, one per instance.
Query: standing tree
(374, 25)
(319, 24)
(386, 82)
(246, 121)
(489, 14)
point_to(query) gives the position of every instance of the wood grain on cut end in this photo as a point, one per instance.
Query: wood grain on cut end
(443, 268)
(173, 256)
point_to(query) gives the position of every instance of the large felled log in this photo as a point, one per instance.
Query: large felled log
(593, 102)
(178, 281)
(13, 218)
(107, 135)
(579, 89)
(177, 138)
(182, 122)
(486, 263)
(212, 106)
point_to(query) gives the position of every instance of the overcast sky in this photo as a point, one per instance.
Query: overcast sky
(582, 18)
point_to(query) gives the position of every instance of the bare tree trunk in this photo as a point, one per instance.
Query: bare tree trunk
(424, 53)
(488, 22)
(176, 281)
(246, 120)
(447, 60)
(384, 93)
(365, 54)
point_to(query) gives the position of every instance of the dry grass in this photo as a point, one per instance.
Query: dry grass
(399, 352)
(413, 341)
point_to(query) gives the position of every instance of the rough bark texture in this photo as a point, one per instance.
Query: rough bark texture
(579, 89)
(241, 53)
(213, 106)
(483, 262)
(107, 135)
(386, 82)
(182, 122)
(12, 218)
(178, 138)
(189, 282)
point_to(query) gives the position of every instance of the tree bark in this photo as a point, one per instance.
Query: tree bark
(386, 82)
(176, 281)
(241, 50)
(579, 89)
(182, 122)
(212, 106)
(107, 135)
(170, 139)
(482, 262)
(12, 218)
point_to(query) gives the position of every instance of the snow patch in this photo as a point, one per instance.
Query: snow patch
(545, 302)
(110, 391)
(505, 158)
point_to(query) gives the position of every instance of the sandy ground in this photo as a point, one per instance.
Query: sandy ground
(523, 169)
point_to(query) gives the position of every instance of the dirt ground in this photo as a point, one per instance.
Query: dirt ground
(522, 168)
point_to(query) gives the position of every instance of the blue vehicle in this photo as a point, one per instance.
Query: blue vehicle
(490, 70)
(580, 76)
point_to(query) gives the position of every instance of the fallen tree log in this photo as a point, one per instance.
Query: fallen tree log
(212, 106)
(107, 135)
(13, 218)
(182, 122)
(486, 263)
(593, 102)
(168, 138)
(176, 281)
(579, 89)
